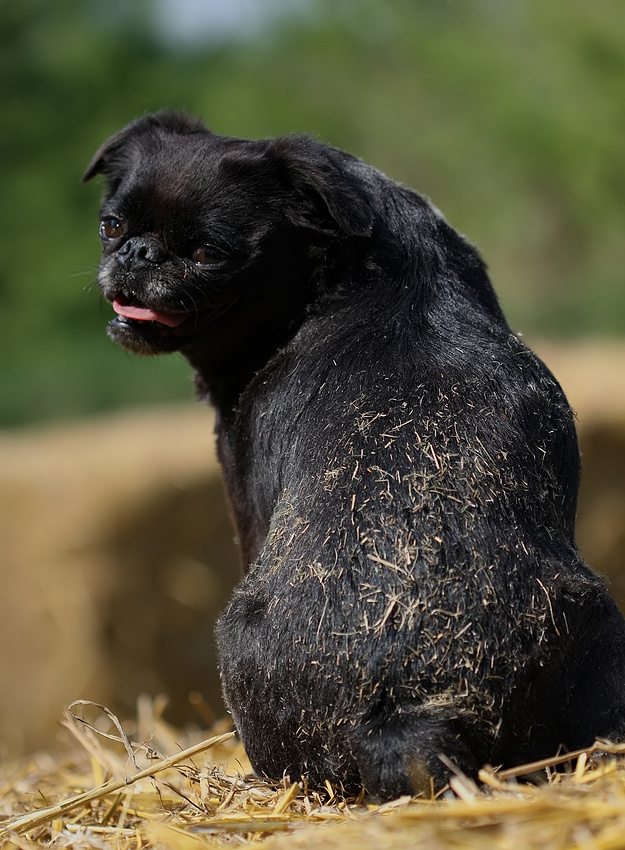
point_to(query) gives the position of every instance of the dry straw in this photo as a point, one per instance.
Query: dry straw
(113, 793)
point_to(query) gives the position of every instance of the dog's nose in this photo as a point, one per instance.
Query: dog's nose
(141, 251)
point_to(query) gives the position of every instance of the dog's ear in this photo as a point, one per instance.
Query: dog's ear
(102, 158)
(328, 197)
(167, 121)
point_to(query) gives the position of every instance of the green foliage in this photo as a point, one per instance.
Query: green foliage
(509, 115)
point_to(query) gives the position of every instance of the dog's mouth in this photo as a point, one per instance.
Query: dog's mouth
(136, 312)
(142, 329)
(149, 330)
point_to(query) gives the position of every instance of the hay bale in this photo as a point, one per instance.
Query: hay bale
(107, 589)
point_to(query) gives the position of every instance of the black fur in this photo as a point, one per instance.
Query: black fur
(402, 470)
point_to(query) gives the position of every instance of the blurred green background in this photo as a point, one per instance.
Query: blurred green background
(509, 114)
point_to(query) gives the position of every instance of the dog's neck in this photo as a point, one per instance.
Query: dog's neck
(225, 359)
(227, 356)
(221, 380)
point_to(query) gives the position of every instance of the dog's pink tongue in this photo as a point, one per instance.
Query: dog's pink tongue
(144, 314)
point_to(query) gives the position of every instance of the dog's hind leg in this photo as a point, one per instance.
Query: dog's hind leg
(413, 755)
(595, 705)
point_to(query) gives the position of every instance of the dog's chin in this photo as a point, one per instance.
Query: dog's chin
(147, 338)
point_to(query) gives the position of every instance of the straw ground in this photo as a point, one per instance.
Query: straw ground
(107, 791)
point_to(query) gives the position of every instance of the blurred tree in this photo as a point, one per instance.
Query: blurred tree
(510, 116)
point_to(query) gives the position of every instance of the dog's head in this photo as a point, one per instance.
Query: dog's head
(206, 237)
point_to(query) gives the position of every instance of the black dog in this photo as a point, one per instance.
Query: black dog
(402, 471)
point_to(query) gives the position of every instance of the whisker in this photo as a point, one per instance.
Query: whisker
(90, 268)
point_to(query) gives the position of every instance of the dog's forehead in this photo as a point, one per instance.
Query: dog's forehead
(183, 158)
(174, 173)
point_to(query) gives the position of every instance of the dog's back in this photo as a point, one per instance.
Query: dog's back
(417, 598)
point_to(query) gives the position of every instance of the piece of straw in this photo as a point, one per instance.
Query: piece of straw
(42, 816)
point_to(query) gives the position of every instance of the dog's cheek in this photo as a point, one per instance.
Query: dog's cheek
(106, 278)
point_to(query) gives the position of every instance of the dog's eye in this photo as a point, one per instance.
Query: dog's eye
(111, 228)
(207, 255)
